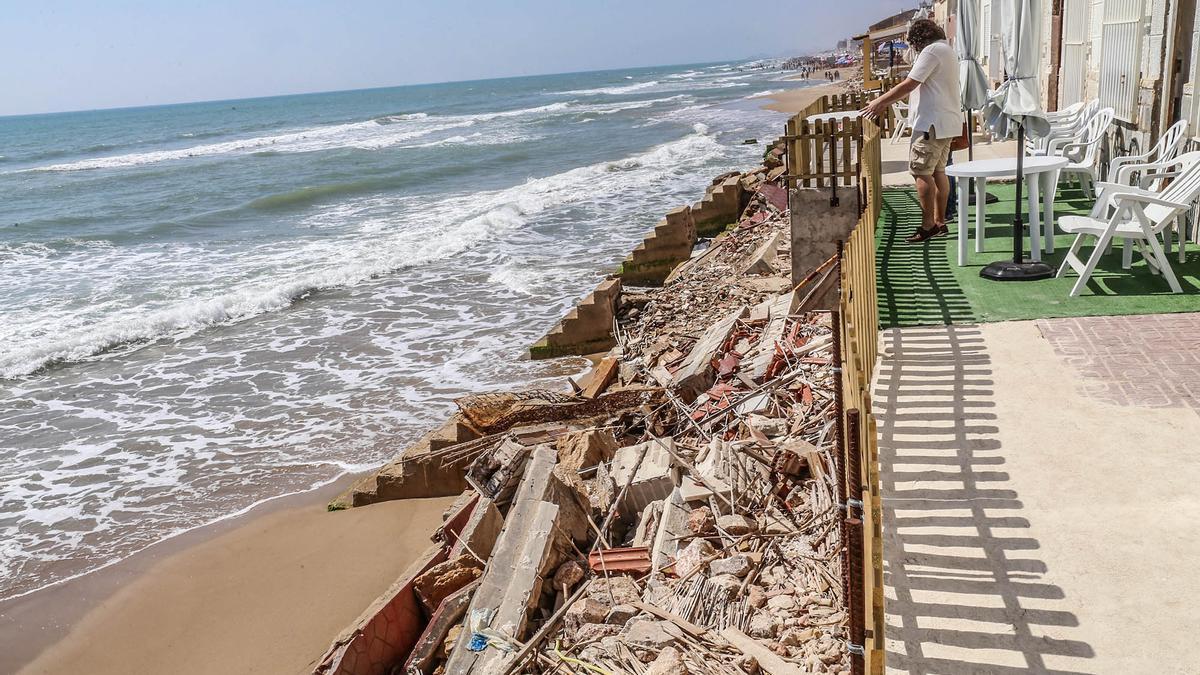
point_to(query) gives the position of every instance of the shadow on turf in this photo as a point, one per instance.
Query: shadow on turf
(915, 282)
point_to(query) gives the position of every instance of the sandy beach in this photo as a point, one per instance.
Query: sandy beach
(264, 594)
(795, 100)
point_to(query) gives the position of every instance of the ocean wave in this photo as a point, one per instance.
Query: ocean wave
(378, 250)
(362, 135)
(308, 195)
(374, 134)
(612, 91)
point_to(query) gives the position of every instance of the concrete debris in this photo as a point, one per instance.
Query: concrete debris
(677, 514)
(737, 525)
(668, 662)
(702, 521)
(445, 578)
(649, 634)
(737, 565)
(693, 558)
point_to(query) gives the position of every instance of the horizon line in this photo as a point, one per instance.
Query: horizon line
(387, 86)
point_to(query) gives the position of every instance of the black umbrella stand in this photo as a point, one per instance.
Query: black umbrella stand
(1018, 269)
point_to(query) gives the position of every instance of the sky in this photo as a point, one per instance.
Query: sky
(78, 55)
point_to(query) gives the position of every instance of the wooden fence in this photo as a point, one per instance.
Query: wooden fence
(858, 332)
(826, 153)
(856, 321)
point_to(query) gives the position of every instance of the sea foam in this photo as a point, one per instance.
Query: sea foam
(479, 216)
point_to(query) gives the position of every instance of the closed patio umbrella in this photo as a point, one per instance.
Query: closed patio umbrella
(972, 80)
(971, 77)
(1017, 103)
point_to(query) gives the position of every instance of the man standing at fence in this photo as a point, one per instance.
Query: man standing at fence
(936, 114)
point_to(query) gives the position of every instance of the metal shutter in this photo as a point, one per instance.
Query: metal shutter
(1120, 64)
(1074, 52)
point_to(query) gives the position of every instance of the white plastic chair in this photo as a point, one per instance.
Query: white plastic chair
(1122, 169)
(1070, 125)
(1083, 151)
(1137, 216)
(901, 111)
(1066, 113)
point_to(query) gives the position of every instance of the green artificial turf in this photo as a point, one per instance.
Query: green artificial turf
(921, 284)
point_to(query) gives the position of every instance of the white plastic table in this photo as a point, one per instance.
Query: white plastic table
(1044, 169)
(836, 116)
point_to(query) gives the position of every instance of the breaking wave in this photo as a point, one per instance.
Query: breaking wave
(612, 91)
(382, 246)
(374, 134)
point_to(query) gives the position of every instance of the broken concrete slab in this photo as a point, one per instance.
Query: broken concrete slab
(540, 482)
(654, 477)
(448, 616)
(479, 534)
(696, 375)
(673, 527)
(765, 258)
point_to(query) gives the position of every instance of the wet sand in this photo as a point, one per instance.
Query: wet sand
(266, 593)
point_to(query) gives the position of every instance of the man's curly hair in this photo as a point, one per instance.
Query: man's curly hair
(924, 32)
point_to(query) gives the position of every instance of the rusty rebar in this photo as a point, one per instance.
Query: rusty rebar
(855, 600)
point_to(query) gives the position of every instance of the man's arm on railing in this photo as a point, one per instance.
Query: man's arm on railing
(878, 107)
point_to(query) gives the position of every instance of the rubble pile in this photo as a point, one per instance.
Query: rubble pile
(678, 514)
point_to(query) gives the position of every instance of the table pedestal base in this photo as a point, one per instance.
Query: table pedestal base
(1007, 270)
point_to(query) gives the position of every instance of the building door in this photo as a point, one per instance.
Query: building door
(1120, 64)
(1073, 69)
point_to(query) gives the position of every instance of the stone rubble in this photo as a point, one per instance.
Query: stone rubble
(688, 502)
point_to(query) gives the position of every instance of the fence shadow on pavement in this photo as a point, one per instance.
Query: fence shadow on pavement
(915, 281)
(965, 589)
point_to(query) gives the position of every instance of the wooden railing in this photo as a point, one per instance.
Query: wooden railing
(858, 330)
(856, 319)
(826, 153)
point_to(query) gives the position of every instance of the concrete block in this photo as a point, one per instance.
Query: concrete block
(669, 244)
(479, 534)
(765, 258)
(655, 477)
(817, 226)
(587, 329)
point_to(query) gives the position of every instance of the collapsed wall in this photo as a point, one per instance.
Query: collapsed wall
(678, 514)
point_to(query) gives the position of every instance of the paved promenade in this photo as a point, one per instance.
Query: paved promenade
(1041, 489)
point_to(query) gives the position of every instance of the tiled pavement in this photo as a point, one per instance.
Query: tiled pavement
(1148, 361)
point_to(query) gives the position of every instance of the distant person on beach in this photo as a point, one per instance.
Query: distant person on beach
(936, 114)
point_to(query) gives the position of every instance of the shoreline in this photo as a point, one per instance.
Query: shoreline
(793, 101)
(235, 571)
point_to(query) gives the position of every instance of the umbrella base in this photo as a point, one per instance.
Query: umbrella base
(991, 199)
(1007, 270)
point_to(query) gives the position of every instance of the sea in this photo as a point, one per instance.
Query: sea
(207, 306)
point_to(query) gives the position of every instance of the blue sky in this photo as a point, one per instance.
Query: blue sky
(63, 55)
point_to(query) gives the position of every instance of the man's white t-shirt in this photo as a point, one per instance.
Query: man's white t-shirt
(936, 104)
